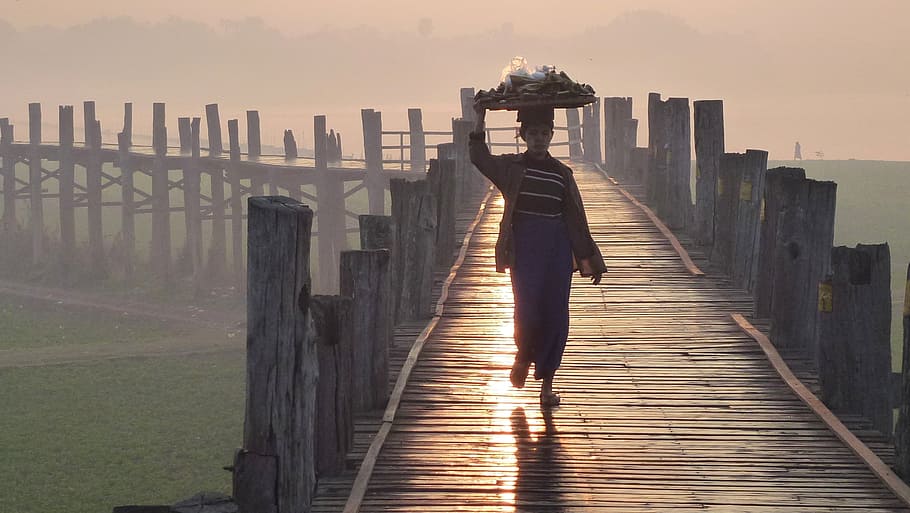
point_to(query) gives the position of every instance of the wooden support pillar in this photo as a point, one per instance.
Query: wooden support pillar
(658, 144)
(128, 207)
(127, 125)
(365, 277)
(441, 179)
(236, 206)
(290, 145)
(777, 195)
(418, 141)
(591, 132)
(414, 215)
(679, 164)
(213, 122)
(333, 319)
(466, 95)
(66, 185)
(630, 142)
(330, 212)
(253, 141)
(93, 180)
(183, 129)
(573, 124)
(376, 182)
(338, 145)
(617, 113)
(9, 175)
(709, 146)
(35, 183)
(902, 431)
(161, 204)
(802, 258)
(466, 176)
(729, 177)
(275, 470)
(854, 351)
(380, 232)
(754, 164)
(192, 209)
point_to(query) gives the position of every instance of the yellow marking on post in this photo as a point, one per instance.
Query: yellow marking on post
(720, 186)
(825, 297)
(763, 210)
(669, 156)
(745, 191)
(907, 300)
(697, 171)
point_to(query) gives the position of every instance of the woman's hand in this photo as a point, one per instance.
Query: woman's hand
(588, 270)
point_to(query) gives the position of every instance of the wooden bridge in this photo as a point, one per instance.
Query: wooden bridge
(669, 404)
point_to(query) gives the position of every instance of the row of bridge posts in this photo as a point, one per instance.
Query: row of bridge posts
(313, 362)
(772, 233)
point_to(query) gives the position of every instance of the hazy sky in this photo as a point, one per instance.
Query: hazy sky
(834, 74)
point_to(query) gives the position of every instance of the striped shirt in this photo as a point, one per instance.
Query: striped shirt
(543, 190)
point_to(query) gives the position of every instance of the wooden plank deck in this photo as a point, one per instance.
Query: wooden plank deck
(667, 404)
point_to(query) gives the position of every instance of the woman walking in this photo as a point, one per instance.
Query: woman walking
(543, 239)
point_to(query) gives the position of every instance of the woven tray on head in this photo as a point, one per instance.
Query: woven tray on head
(561, 101)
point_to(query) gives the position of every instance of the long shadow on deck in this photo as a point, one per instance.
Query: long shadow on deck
(540, 465)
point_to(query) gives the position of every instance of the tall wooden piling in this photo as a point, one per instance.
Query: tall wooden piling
(66, 181)
(35, 183)
(778, 195)
(127, 125)
(902, 430)
(380, 232)
(236, 205)
(441, 181)
(709, 146)
(9, 176)
(253, 138)
(290, 145)
(802, 258)
(183, 133)
(275, 470)
(161, 205)
(376, 182)
(330, 213)
(128, 207)
(617, 114)
(192, 208)
(216, 260)
(854, 352)
(656, 177)
(465, 174)
(365, 277)
(747, 232)
(213, 122)
(573, 126)
(678, 207)
(93, 197)
(729, 177)
(333, 318)
(591, 132)
(414, 215)
(418, 141)
(466, 94)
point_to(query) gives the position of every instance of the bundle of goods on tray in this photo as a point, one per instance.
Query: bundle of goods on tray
(544, 87)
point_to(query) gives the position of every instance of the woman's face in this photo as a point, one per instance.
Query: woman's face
(538, 137)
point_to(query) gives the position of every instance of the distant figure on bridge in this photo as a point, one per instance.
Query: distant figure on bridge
(797, 152)
(543, 239)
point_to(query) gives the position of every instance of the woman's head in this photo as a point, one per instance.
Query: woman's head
(536, 129)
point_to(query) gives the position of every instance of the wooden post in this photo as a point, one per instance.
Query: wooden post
(290, 145)
(253, 143)
(709, 146)
(192, 209)
(236, 205)
(338, 145)
(333, 321)
(466, 95)
(902, 431)
(729, 177)
(464, 170)
(778, 194)
(330, 214)
(629, 143)
(617, 113)
(679, 164)
(127, 125)
(754, 164)
(128, 208)
(638, 166)
(9, 175)
(414, 215)
(376, 181)
(183, 128)
(802, 258)
(573, 123)
(591, 132)
(94, 198)
(332, 147)
(441, 179)
(365, 277)
(66, 185)
(418, 141)
(213, 121)
(35, 183)
(161, 204)
(377, 232)
(854, 351)
(658, 143)
(275, 470)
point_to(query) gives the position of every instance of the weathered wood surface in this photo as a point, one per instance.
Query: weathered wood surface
(414, 216)
(666, 404)
(854, 334)
(902, 430)
(617, 115)
(709, 146)
(678, 207)
(754, 164)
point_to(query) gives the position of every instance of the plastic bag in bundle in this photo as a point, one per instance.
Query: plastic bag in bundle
(518, 67)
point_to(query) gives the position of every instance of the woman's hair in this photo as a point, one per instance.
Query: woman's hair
(525, 124)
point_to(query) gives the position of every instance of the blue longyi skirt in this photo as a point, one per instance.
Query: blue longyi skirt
(541, 279)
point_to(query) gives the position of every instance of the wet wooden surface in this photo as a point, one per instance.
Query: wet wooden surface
(667, 405)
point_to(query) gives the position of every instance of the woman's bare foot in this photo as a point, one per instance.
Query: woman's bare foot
(519, 373)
